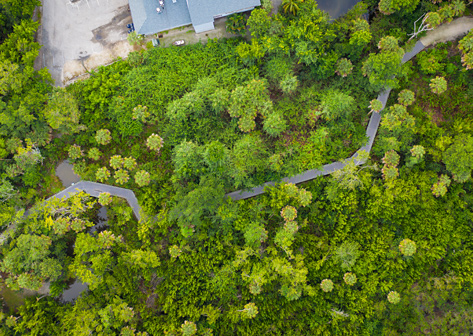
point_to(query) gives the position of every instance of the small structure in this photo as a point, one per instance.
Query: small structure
(177, 13)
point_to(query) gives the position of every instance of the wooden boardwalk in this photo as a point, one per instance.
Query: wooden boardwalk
(328, 169)
(93, 189)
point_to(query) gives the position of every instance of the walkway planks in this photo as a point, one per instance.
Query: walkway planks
(94, 189)
(327, 169)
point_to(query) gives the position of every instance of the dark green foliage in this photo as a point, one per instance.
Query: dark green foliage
(380, 251)
(236, 24)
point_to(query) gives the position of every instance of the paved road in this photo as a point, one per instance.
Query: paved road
(327, 169)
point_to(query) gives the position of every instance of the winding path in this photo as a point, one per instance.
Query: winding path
(93, 189)
(443, 33)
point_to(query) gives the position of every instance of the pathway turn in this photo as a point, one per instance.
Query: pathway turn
(443, 33)
(93, 189)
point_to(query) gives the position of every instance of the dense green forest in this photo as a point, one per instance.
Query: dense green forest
(384, 248)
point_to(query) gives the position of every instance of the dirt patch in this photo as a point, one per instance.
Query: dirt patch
(435, 114)
(448, 32)
(79, 68)
(107, 34)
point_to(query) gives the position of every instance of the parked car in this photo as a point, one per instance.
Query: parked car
(179, 43)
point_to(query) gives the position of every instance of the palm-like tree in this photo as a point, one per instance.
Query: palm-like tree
(291, 6)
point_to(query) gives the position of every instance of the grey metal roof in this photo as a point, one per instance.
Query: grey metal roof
(147, 21)
(203, 11)
(182, 12)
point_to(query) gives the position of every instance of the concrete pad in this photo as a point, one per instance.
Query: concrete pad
(188, 34)
(70, 33)
(276, 5)
(448, 32)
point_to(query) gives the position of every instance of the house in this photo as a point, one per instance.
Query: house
(149, 17)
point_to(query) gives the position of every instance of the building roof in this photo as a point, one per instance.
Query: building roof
(182, 12)
(147, 21)
(204, 11)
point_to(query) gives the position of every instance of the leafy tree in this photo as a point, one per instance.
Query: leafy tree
(7, 191)
(394, 116)
(175, 251)
(249, 53)
(121, 176)
(202, 201)
(344, 67)
(441, 187)
(116, 161)
(28, 262)
(289, 213)
(407, 247)
(62, 112)
(433, 19)
(141, 113)
(438, 85)
(349, 278)
(187, 160)
(93, 258)
(255, 235)
(236, 24)
(247, 101)
(466, 47)
(326, 285)
(458, 158)
(289, 84)
(248, 156)
(103, 137)
(105, 198)
(259, 23)
(361, 34)
(102, 174)
(383, 68)
(94, 154)
(142, 178)
(135, 59)
(274, 124)
(391, 158)
(250, 311)
(216, 156)
(394, 297)
(375, 106)
(308, 35)
(285, 237)
(388, 7)
(134, 38)
(188, 328)
(336, 105)
(349, 176)
(347, 254)
(154, 142)
(129, 163)
(75, 152)
(406, 97)
(26, 158)
(219, 100)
